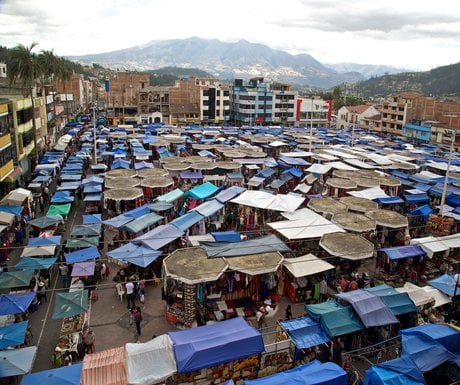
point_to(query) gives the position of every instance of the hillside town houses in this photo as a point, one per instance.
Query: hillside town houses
(128, 98)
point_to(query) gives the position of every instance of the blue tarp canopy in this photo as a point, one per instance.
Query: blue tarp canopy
(118, 221)
(191, 175)
(422, 186)
(11, 279)
(36, 263)
(161, 206)
(313, 373)
(16, 362)
(137, 254)
(82, 255)
(65, 375)
(424, 210)
(430, 345)
(171, 196)
(187, 220)
(15, 303)
(46, 221)
(141, 223)
(446, 284)
(389, 200)
(400, 174)
(334, 318)
(142, 165)
(402, 252)
(211, 345)
(398, 303)
(86, 230)
(265, 244)
(209, 208)
(453, 200)
(12, 335)
(293, 161)
(160, 236)
(305, 332)
(400, 371)
(15, 210)
(202, 191)
(226, 236)
(70, 304)
(91, 219)
(81, 243)
(92, 188)
(370, 308)
(417, 198)
(120, 163)
(54, 240)
(265, 173)
(229, 193)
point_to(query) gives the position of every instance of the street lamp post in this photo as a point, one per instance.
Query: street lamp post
(446, 178)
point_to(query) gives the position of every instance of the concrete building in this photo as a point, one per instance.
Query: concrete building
(9, 172)
(312, 112)
(284, 104)
(153, 104)
(355, 116)
(394, 112)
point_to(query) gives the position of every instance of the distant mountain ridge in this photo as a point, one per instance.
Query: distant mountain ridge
(232, 60)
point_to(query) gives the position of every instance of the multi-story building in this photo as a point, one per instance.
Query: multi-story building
(394, 112)
(284, 104)
(153, 102)
(354, 116)
(215, 101)
(312, 112)
(8, 171)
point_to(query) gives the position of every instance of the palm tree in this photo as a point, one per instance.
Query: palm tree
(24, 67)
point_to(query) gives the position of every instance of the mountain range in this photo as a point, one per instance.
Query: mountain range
(239, 60)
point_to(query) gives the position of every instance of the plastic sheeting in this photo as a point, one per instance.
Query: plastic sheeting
(305, 332)
(400, 371)
(210, 345)
(313, 373)
(13, 335)
(306, 265)
(160, 236)
(265, 200)
(70, 304)
(402, 252)
(140, 255)
(15, 303)
(445, 283)
(398, 302)
(16, 362)
(187, 220)
(82, 255)
(65, 375)
(202, 191)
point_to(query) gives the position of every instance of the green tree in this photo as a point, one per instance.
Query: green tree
(24, 68)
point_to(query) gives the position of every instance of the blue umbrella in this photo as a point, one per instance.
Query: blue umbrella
(16, 362)
(12, 335)
(15, 303)
(66, 375)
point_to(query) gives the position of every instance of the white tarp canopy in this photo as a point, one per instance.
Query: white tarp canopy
(360, 164)
(369, 193)
(17, 197)
(305, 265)
(151, 362)
(304, 224)
(265, 200)
(379, 159)
(342, 166)
(318, 168)
(6, 218)
(437, 244)
(341, 154)
(424, 295)
(38, 251)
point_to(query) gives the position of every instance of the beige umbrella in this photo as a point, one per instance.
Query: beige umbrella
(123, 193)
(387, 218)
(234, 154)
(255, 154)
(228, 165)
(327, 205)
(353, 222)
(200, 147)
(347, 246)
(121, 172)
(174, 138)
(366, 182)
(155, 182)
(368, 173)
(152, 172)
(192, 265)
(203, 165)
(389, 181)
(341, 183)
(171, 159)
(403, 166)
(176, 166)
(195, 158)
(359, 204)
(344, 174)
(123, 181)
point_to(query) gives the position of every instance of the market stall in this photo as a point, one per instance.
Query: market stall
(119, 200)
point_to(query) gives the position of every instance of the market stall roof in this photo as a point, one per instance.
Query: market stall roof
(403, 252)
(59, 209)
(211, 345)
(370, 308)
(16, 362)
(120, 173)
(369, 193)
(226, 236)
(265, 200)
(157, 182)
(142, 223)
(265, 244)
(171, 196)
(13, 279)
(119, 194)
(399, 303)
(203, 165)
(106, 366)
(366, 182)
(146, 363)
(7, 218)
(35, 263)
(152, 172)
(13, 335)
(15, 303)
(305, 332)
(347, 245)
(228, 165)
(313, 373)
(187, 220)
(65, 375)
(202, 191)
(80, 243)
(388, 218)
(389, 200)
(91, 219)
(45, 240)
(160, 206)
(341, 183)
(430, 345)
(86, 230)
(354, 222)
(192, 265)
(417, 198)
(308, 228)
(424, 295)
(83, 269)
(208, 208)
(38, 251)
(317, 168)
(16, 197)
(327, 205)
(255, 264)
(82, 255)
(433, 245)
(122, 182)
(137, 254)
(62, 197)
(335, 319)
(306, 265)
(446, 284)
(70, 304)
(160, 236)
(401, 370)
(16, 210)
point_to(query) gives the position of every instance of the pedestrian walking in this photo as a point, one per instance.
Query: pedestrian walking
(89, 338)
(130, 294)
(288, 312)
(64, 272)
(137, 318)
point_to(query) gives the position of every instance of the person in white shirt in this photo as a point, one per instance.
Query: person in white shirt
(130, 294)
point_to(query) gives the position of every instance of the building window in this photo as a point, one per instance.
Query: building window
(6, 155)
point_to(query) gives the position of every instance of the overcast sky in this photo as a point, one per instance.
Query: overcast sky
(414, 34)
